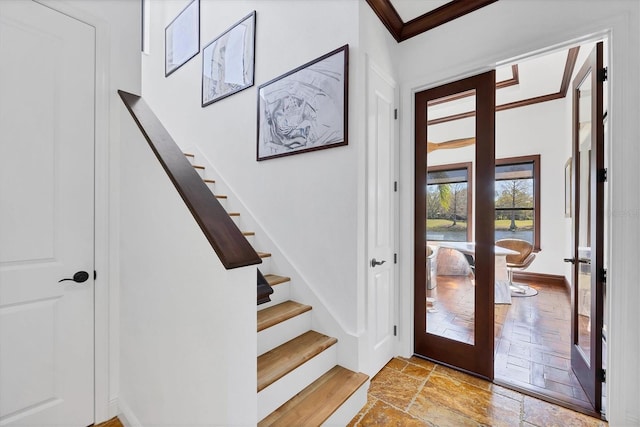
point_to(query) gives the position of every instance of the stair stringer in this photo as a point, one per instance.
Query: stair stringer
(324, 319)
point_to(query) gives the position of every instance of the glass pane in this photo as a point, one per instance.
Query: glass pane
(447, 193)
(584, 220)
(514, 224)
(450, 261)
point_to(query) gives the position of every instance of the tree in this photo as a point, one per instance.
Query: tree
(514, 194)
(456, 192)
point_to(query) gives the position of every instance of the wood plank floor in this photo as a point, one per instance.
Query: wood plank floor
(532, 336)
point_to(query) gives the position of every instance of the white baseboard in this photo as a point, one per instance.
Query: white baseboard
(126, 416)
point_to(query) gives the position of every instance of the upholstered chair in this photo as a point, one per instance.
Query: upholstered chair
(521, 260)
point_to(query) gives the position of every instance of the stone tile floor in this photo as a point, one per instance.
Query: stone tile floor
(416, 392)
(532, 336)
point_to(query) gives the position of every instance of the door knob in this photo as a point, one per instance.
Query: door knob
(374, 262)
(79, 277)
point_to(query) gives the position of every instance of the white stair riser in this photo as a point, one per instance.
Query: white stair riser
(280, 293)
(236, 219)
(250, 239)
(349, 409)
(279, 334)
(223, 202)
(265, 267)
(272, 397)
(200, 172)
(191, 159)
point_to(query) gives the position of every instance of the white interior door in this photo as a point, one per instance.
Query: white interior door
(46, 216)
(381, 210)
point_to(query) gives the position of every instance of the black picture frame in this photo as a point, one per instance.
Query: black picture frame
(182, 38)
(228, 61)
(305, 109)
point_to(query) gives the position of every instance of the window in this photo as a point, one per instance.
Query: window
(518, 199)
(449, 203)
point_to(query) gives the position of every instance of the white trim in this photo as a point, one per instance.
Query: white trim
(102, 230)
(126, 416)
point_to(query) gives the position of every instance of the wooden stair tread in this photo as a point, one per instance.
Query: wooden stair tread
(317, 402)
(220, 196)
(198, 167)
(279, 313)
(283, 359)
(189, 155)
(264, 254)
(248, 233)
(210, 181)
(234, 214)
(274, 279)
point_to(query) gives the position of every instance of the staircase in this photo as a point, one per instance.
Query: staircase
(298, 381)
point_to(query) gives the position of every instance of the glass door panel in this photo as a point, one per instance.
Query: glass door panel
(450, 153)
(454, 258)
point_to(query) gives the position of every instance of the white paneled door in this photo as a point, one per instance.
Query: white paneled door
(46, 216)
(381, 213)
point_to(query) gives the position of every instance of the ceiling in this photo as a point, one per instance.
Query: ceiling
(529, 81)
(408, 18)
(411, 9)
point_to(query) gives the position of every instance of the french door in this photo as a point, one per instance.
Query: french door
(588, 177)
(454, 321)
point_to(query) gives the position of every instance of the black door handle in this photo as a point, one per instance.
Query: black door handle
(571, 260)
(375, 262)
(79, 277)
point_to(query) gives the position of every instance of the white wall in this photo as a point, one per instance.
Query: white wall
(542, 129)
(187, 325)
(306, 202)
(502, 32)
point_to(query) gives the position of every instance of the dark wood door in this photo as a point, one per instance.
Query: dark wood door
(454, 317)
(588, 226)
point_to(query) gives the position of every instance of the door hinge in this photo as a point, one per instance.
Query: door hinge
(395, 258)
(602, 175)
(603, 75)
(603, 375)
(395, 331)
(395, 186)
(95, 275)
(395, 114)
(603, 275)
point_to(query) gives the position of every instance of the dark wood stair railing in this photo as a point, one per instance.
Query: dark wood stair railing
(264, 289)
(233, 249)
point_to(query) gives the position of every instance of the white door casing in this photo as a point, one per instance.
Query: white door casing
(381, 213)
(47, 82)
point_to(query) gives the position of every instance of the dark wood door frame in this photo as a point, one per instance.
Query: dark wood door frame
(477, 358)
(589, 374)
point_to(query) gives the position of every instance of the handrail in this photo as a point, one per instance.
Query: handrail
(227, 240)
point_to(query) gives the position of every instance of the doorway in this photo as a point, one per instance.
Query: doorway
(545, 222)
(46, 216)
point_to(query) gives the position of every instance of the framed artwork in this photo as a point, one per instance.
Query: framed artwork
(182, 38)
(567, 189)
(228, 61)
(306, 108)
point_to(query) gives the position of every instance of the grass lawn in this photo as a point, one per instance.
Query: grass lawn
(525, 224)
(445, 225)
